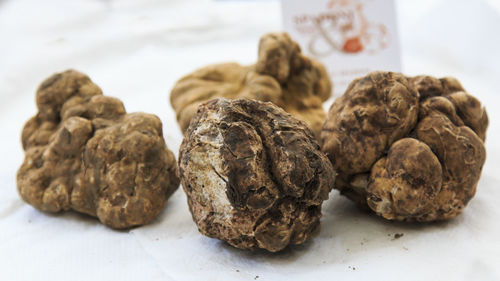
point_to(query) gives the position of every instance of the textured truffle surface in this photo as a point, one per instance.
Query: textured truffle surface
(282, 75)
(410, 149)
(84, 153)
(254, 175)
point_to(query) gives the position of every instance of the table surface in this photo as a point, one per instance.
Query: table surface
(136, 50)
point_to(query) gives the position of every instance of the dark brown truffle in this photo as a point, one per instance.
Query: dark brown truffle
(84, 153)
(254, 175)
(282, 75)
(409, 149)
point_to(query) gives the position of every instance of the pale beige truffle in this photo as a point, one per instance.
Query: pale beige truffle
(409, 149)
(85, 153)
(282, 75)
(253, 175)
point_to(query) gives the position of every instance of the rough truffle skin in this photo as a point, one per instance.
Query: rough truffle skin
(84, 153)
(254, 175)
(282, 75)
(409, 149)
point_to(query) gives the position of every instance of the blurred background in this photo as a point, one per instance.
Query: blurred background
(140, 48)
(136, 50)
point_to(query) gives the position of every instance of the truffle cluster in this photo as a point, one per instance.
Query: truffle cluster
(409, 149)
(84, 153)
(254, 175)
(282, 75)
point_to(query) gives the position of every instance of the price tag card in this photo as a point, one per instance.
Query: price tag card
(351, 37)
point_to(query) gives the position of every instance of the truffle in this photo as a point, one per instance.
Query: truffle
(254, 175)
(83, 152)
(282, 75)
(409, 149)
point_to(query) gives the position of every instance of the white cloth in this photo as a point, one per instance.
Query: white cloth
(136, 50)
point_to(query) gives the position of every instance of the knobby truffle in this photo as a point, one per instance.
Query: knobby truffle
(83, 152)
(282, 75)
(254, 175)
(410, 149)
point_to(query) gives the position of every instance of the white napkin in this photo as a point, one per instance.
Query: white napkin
(136, 50)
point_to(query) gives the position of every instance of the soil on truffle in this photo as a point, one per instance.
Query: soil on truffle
(407, 148)
(254, 175)
(83, 152)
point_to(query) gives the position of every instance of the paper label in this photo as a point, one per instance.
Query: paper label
(351, 37)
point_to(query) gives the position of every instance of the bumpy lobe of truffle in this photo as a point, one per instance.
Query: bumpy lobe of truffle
(282, 75)
(254, 175)
(84, 153)
(409, 149)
